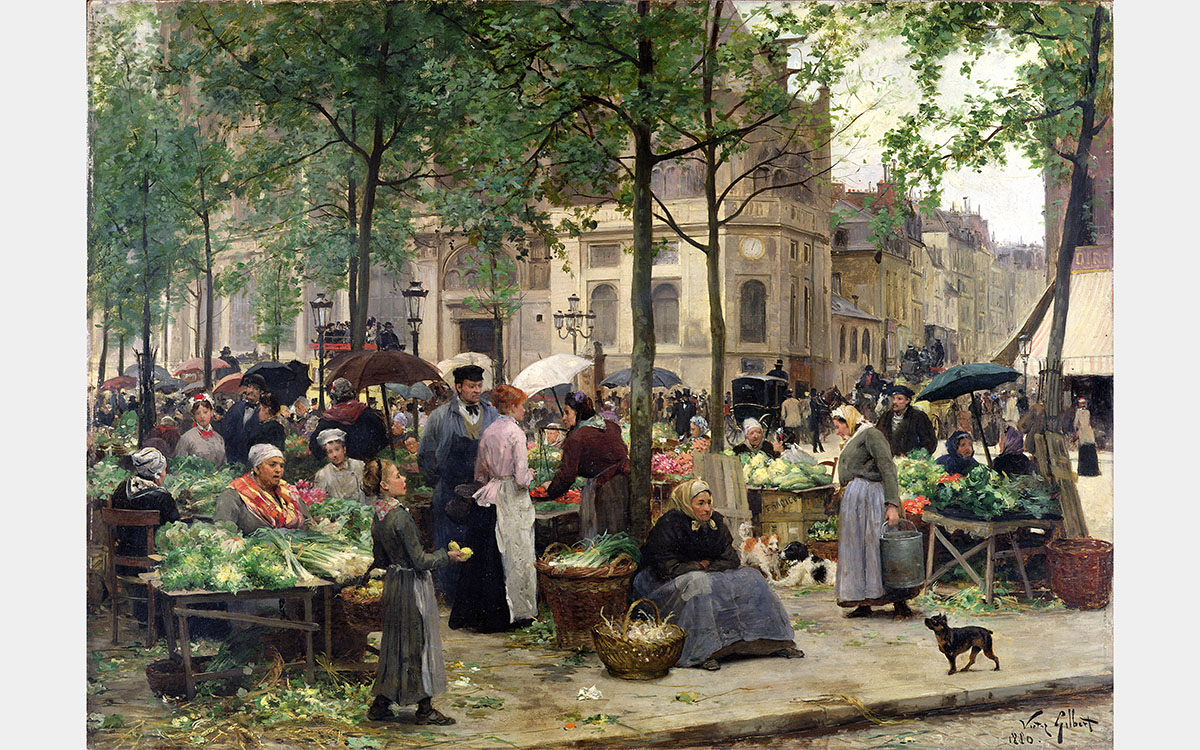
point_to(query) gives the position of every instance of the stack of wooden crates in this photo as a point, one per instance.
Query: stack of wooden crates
(790, 514)
(724, 475)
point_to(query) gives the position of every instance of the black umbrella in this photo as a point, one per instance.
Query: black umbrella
(969, 378)
(288, 381)
(160, 373)
(659, 379)
(168, 384)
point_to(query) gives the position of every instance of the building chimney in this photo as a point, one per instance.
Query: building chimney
(839, 192)
(886, 192)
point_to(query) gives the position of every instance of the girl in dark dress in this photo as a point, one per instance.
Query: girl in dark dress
(411, 669)
(270, 429)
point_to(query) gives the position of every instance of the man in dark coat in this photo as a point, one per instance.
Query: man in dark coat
(230, 360)
(388, 340)
(685, 409)
(939, 353)
(366, 432)
(905, 427)
(241, 421)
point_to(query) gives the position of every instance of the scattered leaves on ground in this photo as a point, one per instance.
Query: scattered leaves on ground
(687, 697)
(482, 702)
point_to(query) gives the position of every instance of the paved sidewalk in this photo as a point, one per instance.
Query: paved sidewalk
(892, 668)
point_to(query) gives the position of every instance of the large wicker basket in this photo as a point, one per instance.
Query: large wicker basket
(638, 660)
(362, 614)
(577, 596)
(166, 675)
(1081, 572)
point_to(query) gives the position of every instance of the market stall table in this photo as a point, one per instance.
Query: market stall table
(177, 631)
(940, 527)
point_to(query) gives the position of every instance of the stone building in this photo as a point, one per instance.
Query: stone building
(856, 333)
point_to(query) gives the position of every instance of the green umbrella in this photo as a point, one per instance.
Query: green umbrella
(969, 378)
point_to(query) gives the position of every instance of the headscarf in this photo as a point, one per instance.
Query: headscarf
(702, 422)
(852, 417)
(1014, 442)
(261, 452)
(201, 398)
(342, 389)
(330, 435)
(148, 463)
(952, 462)
(749, 423)
(681, 500)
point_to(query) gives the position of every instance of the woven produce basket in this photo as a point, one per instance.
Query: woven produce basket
(1081, 572)
(576, 596)
(638, 660)
(166, 676)
(825, 549)
(364, 615)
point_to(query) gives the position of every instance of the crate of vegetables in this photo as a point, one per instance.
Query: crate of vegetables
(583, 580)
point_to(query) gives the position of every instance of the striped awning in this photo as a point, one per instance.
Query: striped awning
(1088, 348)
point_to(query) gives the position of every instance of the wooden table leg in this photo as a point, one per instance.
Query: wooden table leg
(1012, 540)
(186, 647)
(328, 599)
(989, 574)
(169, 624)
(929, 561)
(151, 595)
(308, 639)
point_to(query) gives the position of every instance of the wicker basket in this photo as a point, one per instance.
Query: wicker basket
(638, 660)
(825, 549)
(1081, 572)
(166, 676)
(577, 596)
(360, 615)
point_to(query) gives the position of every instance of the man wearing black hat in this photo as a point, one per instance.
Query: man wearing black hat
(366, 431)
(229, 359)
(685, 409)
(446, 458)
(388, 340)
(241, 421)
(906, 428)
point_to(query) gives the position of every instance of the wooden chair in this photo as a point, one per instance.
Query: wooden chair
(114, 518)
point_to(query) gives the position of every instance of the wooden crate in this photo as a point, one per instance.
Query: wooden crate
(789, 527)
(789, 515)
(724, 474)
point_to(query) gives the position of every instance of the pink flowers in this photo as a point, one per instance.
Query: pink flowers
(309, 494)
(665, 463)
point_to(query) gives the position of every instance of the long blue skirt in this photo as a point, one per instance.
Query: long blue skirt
(716, 609)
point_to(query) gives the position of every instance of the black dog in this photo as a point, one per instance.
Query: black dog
(817, 569)
(954, 641)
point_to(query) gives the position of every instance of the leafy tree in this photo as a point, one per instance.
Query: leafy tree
(1061, 99)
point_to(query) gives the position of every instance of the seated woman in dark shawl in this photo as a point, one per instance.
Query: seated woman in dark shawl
(1012, 459)
(960, 454)
(690, 569)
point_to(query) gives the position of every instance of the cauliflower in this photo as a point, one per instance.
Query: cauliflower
(779, 467)
(760, 477)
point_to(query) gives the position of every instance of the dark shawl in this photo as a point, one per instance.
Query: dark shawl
(672, 548)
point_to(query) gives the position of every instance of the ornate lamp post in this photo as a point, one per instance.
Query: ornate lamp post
(414, 297)
(1023, 342)
(321, 308)
(573, 321)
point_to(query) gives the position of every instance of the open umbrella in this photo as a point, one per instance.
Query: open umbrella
(119, 383)
(549, 372)
(135, 371)
(196, 364)
(367, 368)
(659, 379)
(969, 378)
(447, 366)
(228, 384)
(419, 391)
(287, 381)
(168, 384)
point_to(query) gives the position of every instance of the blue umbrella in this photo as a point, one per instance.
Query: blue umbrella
(659, 379)
(969, 378)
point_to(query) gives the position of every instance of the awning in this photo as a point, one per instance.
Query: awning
(1087, 348)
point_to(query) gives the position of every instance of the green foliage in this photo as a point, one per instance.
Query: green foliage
(104, 477)
(824, 531)
(351, 519)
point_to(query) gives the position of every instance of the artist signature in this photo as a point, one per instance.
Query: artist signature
(1041, 726)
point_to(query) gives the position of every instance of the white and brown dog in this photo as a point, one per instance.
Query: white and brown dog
(761, 552)
(805, 568)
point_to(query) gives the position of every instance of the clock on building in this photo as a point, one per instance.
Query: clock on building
(752, 248)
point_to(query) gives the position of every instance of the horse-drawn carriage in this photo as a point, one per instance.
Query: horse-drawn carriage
(756, 396)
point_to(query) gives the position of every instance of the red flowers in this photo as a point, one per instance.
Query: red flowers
(948, 478)
(915, 505)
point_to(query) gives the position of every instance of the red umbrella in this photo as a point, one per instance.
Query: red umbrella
(119, 383)
(197, 363)
(229, 383)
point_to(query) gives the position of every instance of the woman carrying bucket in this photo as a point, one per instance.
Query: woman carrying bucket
(871, 496)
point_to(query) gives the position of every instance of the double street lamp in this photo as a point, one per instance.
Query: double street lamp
(1023, 342)
(321, 307)
(573, 321)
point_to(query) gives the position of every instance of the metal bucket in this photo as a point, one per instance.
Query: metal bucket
(900, 555)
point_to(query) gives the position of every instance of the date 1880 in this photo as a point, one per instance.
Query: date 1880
(1041, 727)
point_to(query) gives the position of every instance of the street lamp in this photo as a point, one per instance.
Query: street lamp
(321, 308)
(573, 322)
(1023, 342)
(414, 297)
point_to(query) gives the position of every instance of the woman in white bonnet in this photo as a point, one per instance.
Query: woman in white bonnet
(260, 498)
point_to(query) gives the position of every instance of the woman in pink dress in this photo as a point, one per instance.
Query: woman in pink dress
(498, 587)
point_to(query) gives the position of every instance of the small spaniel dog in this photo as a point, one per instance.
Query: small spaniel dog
(761, 552)
(804, 568)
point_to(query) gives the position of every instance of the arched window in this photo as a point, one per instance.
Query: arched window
(866, 345)
(807, 320)
(853, 346)
(842, 345)
(754, 312)
(604, 304)
(793, 316)
(665, 301)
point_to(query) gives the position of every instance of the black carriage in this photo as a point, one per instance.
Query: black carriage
(760, 397)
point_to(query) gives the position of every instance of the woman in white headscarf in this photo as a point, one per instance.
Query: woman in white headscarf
(867, 473)
(260, 498)
(143, 491)
(755, 441)
(690, 570)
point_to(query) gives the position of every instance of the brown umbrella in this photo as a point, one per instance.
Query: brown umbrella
(367, 368)
(229, 383)
(197, 363)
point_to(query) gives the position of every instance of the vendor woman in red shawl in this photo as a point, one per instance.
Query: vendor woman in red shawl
(594, 450)
(260, 498)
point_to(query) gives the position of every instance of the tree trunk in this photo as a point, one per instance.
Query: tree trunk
(716, 313)
(352, 213)
(208, 291)
(643, 312)
(120, 353)
(146, 358)
(103, 344)
(358, 321)
(199, 337)
(1072, 224)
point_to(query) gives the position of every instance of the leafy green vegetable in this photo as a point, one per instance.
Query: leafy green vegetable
(598, 551)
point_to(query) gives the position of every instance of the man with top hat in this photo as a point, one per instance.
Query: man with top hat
(229, 359)
(241, 421)
(364, 428)
(906, 427)
(446, 458)
(685, 409)
(202, 440)
(388, 340)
